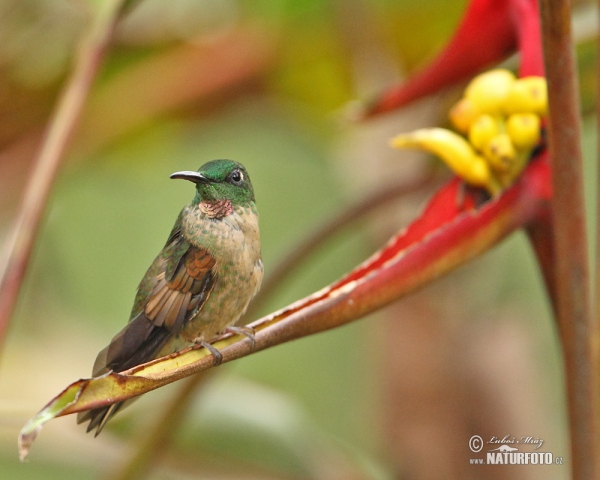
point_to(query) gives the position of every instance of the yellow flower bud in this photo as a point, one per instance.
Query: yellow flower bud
(483, 129)
(488, 91)
(455, 151)
(463, 114)
(500, 152)
(528, 95)
(524, 130)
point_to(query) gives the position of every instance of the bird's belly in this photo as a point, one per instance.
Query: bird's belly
(235, 244)
(226, 304)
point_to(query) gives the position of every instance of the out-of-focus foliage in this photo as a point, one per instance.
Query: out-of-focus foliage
(309, 409)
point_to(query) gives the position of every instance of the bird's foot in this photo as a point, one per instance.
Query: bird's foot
(217, 356)
(248, 332)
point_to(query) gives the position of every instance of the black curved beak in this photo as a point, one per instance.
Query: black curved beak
(195, 177)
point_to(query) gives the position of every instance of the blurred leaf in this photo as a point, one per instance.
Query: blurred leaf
(262, 426)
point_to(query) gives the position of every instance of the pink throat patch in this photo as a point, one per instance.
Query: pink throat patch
(218, 209)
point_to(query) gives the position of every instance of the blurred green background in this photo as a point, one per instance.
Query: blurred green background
(396, 395)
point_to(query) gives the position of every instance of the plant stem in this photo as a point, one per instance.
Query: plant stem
(574, 314)
(596, 298)
(20, 240)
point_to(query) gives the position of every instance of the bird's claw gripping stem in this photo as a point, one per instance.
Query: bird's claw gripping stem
(248, 332)
(218, 357)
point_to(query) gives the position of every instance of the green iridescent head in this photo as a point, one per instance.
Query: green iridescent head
(220, 180)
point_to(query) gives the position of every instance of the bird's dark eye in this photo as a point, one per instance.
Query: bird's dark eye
(236, 177)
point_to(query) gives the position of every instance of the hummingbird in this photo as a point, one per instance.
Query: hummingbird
(199, 284)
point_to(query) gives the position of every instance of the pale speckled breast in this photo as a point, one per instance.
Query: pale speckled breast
(234, 242)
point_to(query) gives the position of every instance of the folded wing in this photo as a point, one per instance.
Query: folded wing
(174, 289)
